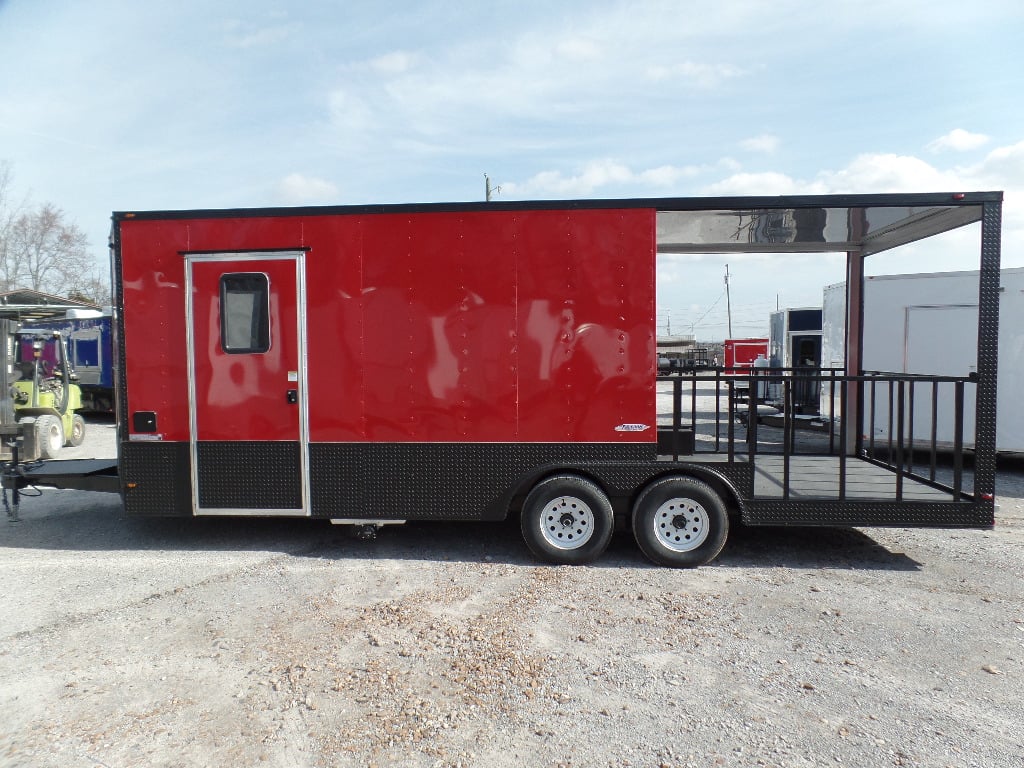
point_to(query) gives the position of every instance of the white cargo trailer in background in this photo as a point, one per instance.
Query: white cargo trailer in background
(927, 323)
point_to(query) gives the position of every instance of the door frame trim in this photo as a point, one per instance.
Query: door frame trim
(297, 257)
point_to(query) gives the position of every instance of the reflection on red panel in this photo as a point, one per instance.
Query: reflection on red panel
(244, 396)
(153, 282)
(532, 326)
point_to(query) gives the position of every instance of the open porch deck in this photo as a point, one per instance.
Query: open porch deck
(794, 451)
(821, 477)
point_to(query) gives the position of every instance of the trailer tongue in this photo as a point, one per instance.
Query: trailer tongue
(474, 361)
(74, 474)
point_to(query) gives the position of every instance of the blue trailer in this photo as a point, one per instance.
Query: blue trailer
(90, 352)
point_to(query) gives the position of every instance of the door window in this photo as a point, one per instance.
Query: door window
(244, 312)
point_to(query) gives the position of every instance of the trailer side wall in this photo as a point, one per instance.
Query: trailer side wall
(483, 329)
(527, 327)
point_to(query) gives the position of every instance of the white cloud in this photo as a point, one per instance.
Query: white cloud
(889, 173)
(958, 140)
(666, 175)
(240, 34)
(394, 63)
(595, 176)
(578, 49)
(766, 143)
(700, 74)
(765, 183)
(296, 189)
(350, 113)
(867, 173)
(1002, 168)
(557, 77)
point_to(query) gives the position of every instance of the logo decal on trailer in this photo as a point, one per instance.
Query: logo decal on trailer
(631, 427)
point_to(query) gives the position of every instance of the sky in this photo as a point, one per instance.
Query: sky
(122, 105)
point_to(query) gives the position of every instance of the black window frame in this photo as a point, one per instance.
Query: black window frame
(257, 283)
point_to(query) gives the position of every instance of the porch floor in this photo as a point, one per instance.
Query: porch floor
(817, 477)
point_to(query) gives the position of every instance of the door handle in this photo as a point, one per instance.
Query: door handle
(292, 396)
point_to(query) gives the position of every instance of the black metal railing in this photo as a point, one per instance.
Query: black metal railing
(900, 444)
(902, 422)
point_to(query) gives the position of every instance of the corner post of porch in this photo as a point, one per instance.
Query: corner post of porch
(852, 415)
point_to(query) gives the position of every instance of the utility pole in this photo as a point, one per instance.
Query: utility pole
(728, 302)
(489, 189)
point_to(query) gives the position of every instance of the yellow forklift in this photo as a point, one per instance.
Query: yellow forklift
(45, 394)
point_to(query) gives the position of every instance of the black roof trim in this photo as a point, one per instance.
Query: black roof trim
(657, 203)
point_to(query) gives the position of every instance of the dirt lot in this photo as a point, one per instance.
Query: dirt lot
(287, 643)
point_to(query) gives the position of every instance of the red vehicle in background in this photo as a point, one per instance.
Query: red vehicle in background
(741, 353)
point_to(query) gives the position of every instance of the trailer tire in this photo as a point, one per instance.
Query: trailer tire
(680, 522)
(77, 436)
(49, 436)
(567, 520)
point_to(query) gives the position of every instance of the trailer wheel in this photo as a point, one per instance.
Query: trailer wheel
(77, 436)
(49, 436)
(568, 520)
(680, 522)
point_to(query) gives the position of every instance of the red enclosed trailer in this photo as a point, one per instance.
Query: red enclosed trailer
(741, 353)
(386, 364)
(469, 361)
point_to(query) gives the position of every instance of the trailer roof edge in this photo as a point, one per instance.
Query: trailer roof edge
(658, 203)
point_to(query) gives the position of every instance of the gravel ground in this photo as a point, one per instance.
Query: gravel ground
(227, 642)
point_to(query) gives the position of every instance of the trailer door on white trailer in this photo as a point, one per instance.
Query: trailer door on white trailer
(943, 341)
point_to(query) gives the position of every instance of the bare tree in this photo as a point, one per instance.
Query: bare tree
(94, 288)
(41, 250)
(45, 253)
(9, 212)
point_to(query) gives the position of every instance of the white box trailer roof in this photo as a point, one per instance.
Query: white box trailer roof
(927, 324)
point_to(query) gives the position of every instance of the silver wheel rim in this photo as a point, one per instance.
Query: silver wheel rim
(567, 522)
(681, 524)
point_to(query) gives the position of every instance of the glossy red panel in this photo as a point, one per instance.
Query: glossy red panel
(433, 358)
(153, 323)
(243, 396)
(473, 326)
(586, 324)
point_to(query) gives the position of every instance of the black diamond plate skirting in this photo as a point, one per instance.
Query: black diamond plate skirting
(375, 481)
(443, 481)
(467, 481)
(155, 479)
